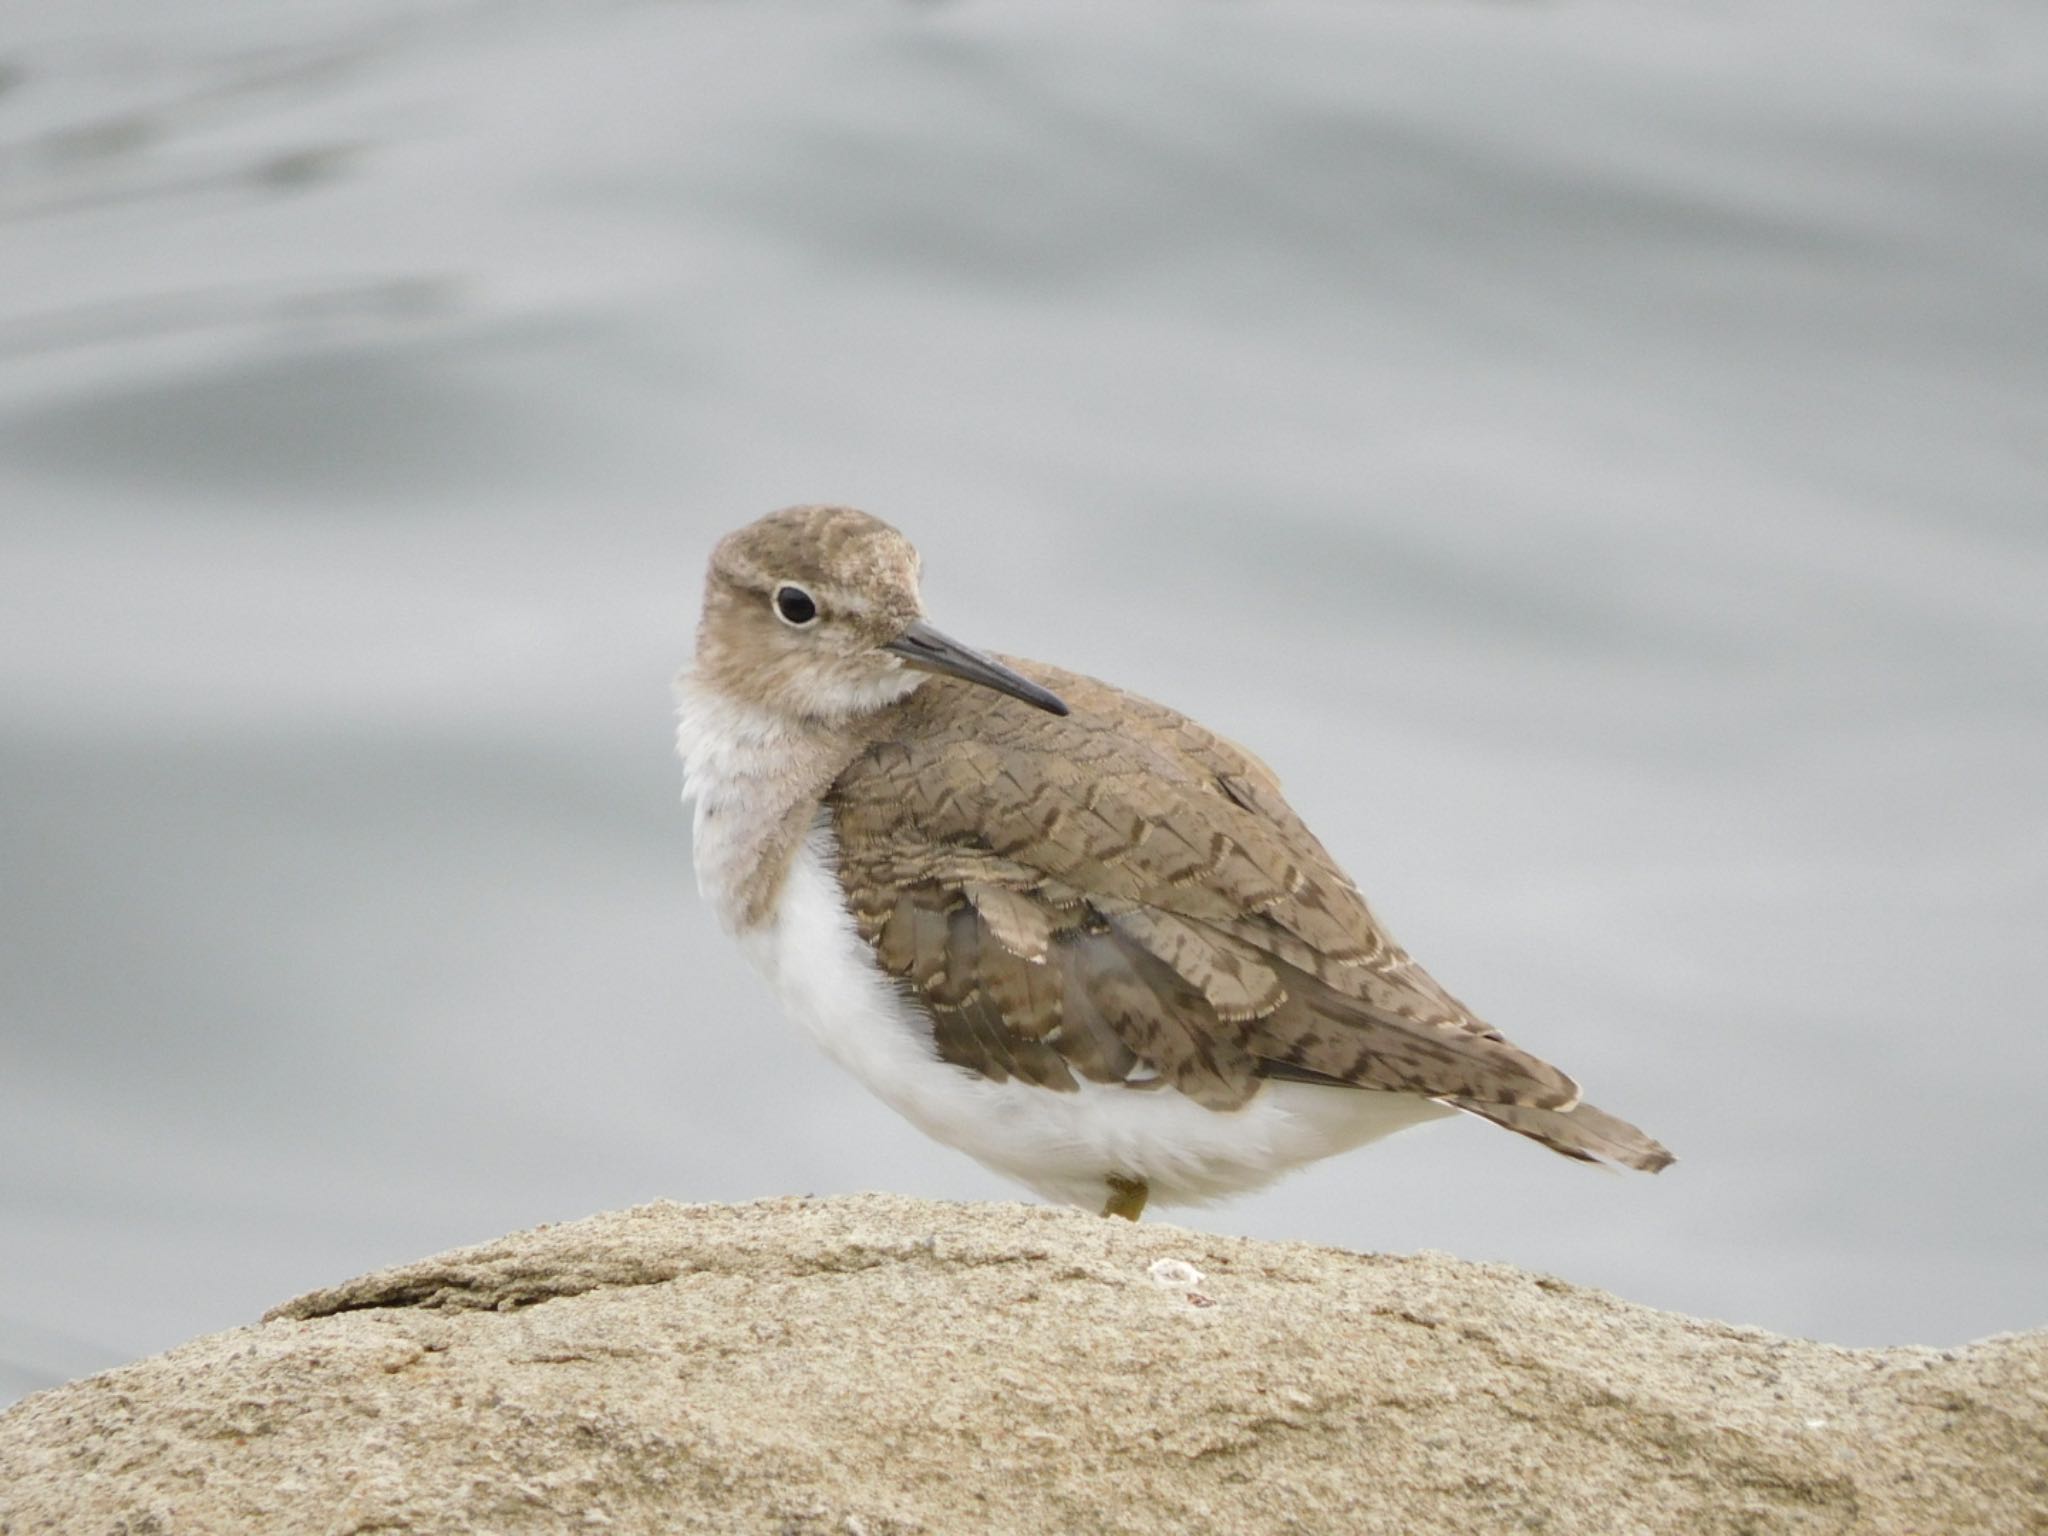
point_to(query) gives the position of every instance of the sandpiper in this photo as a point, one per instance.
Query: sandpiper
(1055, 925)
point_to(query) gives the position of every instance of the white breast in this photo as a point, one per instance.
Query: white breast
(1063, 1145)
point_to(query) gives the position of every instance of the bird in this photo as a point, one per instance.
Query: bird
(1057, 926)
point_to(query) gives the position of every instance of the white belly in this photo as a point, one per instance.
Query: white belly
(1063, 1145)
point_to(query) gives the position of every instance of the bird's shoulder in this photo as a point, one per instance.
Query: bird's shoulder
(1123, 800)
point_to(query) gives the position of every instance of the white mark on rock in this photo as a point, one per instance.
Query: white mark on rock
(1180, 1275)
(1174, 1274)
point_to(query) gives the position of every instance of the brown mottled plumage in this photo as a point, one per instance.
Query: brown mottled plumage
(1121, 888)
(1111, 895)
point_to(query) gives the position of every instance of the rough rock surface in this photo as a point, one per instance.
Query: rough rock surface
(884, 1365)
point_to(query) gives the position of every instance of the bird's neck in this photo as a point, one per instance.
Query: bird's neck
(757, 778)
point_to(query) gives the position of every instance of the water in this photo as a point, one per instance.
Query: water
(1597, 452)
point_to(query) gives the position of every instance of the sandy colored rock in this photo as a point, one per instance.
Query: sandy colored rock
(878, 1365)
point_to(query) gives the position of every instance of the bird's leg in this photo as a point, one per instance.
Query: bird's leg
(1126, 1197)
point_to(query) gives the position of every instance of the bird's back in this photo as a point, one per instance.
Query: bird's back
(1122, 895)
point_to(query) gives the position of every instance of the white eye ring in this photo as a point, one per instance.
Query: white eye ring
(793, 605)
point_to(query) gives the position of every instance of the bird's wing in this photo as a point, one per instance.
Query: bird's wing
(1121, 895)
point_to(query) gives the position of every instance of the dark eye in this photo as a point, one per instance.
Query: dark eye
(793, 605)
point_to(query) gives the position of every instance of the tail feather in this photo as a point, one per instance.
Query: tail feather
(1583, 1132)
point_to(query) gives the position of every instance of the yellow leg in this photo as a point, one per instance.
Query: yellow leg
(1126, 1197)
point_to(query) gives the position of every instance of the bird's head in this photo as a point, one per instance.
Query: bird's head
(813, 613)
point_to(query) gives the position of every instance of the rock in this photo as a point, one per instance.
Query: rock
(878, 1365)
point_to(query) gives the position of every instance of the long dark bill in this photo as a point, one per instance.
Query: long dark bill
(926, 649)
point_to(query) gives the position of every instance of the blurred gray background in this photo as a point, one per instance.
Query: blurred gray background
(1596, 451)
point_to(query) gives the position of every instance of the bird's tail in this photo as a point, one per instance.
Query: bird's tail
(1588, 1134)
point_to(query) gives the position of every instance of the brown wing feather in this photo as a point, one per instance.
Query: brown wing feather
(933, 942)
(1137, 897)
(1584, 1132)
(1163, 1018)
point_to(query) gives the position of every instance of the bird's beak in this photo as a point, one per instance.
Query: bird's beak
(927, 650)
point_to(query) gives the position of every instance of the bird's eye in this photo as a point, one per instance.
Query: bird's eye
(795, 606)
